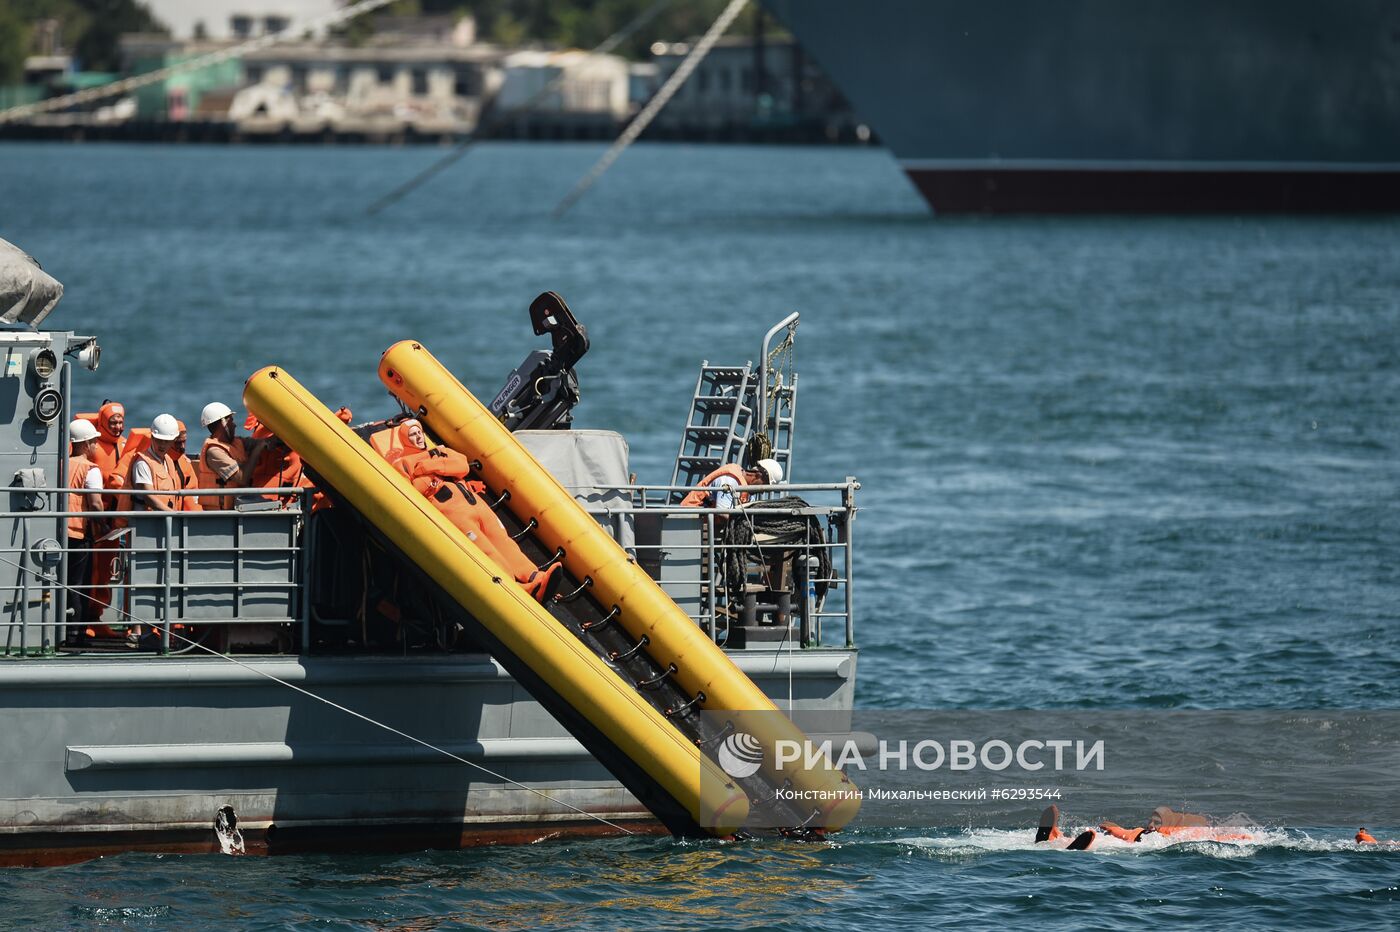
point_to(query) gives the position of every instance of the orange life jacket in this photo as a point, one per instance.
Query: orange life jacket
(137, 443)
(1364, 837)
(163, 479)
(186, 478)
(208, 479)
(120, 478)
(276, 470)
(697, 497)
(78, 468)
(106, 454)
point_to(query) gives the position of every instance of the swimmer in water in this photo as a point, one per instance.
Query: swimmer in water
(1049, 830)
(1182, 826)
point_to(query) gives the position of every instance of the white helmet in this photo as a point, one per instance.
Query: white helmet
(81, 431)
(214, 411)
(773, 469)
(165, 427)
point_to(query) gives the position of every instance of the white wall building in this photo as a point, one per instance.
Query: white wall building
(592, 83)
(429, 86)
(236, 19)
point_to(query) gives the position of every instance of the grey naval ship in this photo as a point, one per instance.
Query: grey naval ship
(284, 670)
(1099, 105)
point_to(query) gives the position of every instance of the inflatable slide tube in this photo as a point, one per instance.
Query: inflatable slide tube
(657, 763)
(417, 379)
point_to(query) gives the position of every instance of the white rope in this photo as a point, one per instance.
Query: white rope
(193, 64)
(653, 107)
(335, 705)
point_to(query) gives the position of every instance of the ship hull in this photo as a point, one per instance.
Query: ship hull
(989, 188)
(105, 756)
(1095, 105)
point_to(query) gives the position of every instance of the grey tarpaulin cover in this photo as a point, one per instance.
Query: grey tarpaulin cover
(27, 292)
(589, 463)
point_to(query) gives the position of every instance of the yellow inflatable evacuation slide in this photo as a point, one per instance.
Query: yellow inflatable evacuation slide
(632, 696)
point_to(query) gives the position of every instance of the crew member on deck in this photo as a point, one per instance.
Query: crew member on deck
(226, 460)
(152, 471)
(723, 487)
(82, 530)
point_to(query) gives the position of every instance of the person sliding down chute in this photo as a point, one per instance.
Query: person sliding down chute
(441, 475)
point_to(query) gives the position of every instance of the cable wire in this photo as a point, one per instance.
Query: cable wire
(495, 120)
(654, 106)
(333, 704)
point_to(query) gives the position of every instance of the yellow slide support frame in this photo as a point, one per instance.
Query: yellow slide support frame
(521, 624)
(426, 387)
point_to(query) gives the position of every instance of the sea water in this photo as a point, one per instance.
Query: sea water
(1105, 462)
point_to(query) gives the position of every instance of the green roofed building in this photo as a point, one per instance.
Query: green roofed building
(179, 96)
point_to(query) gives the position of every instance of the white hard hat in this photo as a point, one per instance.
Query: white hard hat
(214, 411)
(774, 470)
(81, 431)
(165, 427)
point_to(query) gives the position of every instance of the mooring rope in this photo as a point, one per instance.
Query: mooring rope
(653, 107)
(603, 48)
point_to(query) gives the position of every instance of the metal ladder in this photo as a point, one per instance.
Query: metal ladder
(722, 413)
(728, 403)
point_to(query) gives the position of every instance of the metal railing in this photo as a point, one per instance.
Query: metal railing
(211, 575)
(684, 550)
(168, 574)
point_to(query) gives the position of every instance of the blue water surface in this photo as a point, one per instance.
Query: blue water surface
(1106, 462)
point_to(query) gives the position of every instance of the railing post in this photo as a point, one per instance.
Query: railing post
(762, 412)
(848, 496)
(24, 588)
(306, 545)
(169, 568)
(714, 581)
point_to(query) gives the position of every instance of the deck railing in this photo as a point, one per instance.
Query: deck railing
(218, 577)
(218, 570)
(684, 549)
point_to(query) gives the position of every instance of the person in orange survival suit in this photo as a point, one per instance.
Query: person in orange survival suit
(1165, 821)
(441, 475)
(111, 441)
(1184, 826)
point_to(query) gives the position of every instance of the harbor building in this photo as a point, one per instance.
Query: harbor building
(229, 20)
(313, 86)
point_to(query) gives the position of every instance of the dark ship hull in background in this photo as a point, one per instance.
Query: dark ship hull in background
(1098, 105)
